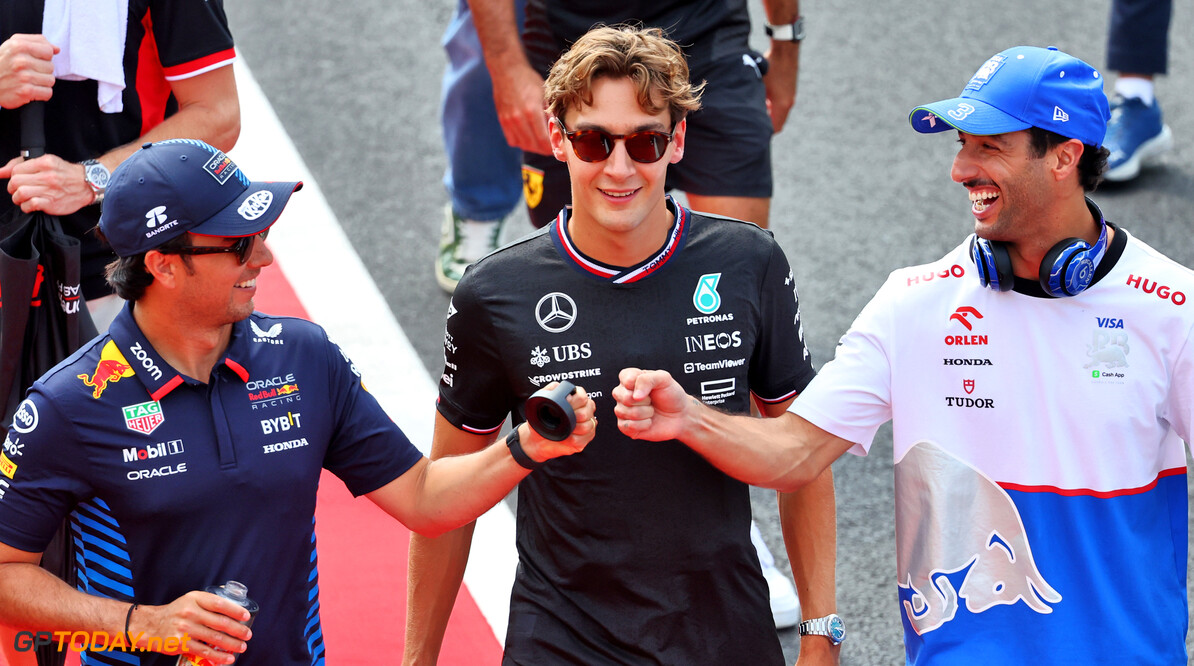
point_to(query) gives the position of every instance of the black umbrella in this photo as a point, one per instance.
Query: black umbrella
(43, 319)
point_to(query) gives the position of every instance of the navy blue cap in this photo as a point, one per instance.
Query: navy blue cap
(171, 187)
(1022, 87)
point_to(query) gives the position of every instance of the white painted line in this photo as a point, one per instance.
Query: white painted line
(339, 294)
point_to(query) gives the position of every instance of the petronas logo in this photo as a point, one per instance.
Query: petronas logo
(705, 298)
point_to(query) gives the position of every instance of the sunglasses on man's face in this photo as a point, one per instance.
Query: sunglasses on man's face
(242, 247)
(591, 145)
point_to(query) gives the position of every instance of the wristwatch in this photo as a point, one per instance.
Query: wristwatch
(97, 176)
(830, 626)
(788, 32)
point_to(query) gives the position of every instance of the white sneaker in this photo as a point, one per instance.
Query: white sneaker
(785, 605)
(463, 241)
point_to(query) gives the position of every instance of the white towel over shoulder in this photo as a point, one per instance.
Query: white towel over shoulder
(91, 35)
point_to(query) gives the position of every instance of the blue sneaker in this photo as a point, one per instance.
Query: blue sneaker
(1135, 136)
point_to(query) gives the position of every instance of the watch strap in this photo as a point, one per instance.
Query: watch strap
(515, 445)
(787, 32)
(821, 626)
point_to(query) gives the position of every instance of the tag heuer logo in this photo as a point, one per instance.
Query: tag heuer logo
(145, 417)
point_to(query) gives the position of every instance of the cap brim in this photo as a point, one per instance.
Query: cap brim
(968, 115)
(250, 213)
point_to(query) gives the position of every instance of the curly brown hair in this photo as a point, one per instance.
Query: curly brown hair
(653, 62)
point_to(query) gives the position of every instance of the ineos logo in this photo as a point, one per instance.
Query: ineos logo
(156, 216)
(555, 312)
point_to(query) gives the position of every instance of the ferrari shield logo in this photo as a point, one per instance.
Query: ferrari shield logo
(532, 185)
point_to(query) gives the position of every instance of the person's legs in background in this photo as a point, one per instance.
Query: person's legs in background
(482, 177)
(1137, 50)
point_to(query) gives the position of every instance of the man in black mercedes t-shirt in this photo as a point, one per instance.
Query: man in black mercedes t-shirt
(628, 553)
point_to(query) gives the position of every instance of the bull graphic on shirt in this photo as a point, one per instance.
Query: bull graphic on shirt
(111, 368)
(952, 519)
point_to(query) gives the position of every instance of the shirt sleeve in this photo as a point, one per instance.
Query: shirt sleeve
(1179, 409)
(475, 395)
(851, 396)
(781, 365)
(192, 36)
(368, 450)
(40, 478)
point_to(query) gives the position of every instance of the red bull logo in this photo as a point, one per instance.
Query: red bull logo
(111, 368)
(986, 544)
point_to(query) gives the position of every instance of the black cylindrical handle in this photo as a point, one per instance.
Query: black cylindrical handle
(33, 130)
(549, 413)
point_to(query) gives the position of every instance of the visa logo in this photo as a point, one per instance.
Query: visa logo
(1108, 322)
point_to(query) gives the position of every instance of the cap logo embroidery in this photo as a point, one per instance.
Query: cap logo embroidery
(984, 73)
(221, 167)
(156, 216)
(961, 112)
(1059, 115)
(256, 205)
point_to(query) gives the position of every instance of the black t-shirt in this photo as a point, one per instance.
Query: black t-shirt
(630, 551)
(166, 39)
(705, 29)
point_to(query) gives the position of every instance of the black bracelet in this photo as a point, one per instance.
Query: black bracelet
(127, 619)
(520, 456)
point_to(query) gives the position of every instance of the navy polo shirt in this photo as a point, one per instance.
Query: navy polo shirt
(173, 484)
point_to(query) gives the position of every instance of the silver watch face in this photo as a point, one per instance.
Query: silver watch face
(97, 174)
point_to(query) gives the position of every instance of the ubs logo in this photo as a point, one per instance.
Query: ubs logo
(555, 312)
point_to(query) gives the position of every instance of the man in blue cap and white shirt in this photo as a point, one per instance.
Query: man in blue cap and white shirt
(1040, 378)
(186, 444)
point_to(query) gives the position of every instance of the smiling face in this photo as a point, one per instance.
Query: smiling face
(618, 200)
(1007, 182)
(218, 289)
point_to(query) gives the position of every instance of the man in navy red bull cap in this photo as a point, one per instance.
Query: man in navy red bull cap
(1041, 383)
(186, 444)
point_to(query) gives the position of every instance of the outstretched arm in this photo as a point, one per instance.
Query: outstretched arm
(783, 453)
(487, 474)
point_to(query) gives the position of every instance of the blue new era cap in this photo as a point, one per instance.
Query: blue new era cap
(1022, 87)
(171, 187)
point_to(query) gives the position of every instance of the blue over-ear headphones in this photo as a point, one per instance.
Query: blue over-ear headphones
(1066, 270)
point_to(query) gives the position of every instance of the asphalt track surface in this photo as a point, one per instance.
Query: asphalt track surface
(858, 192)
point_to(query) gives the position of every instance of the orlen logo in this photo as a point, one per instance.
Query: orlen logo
(1164, 292)
(962, 315)
(159, 450)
